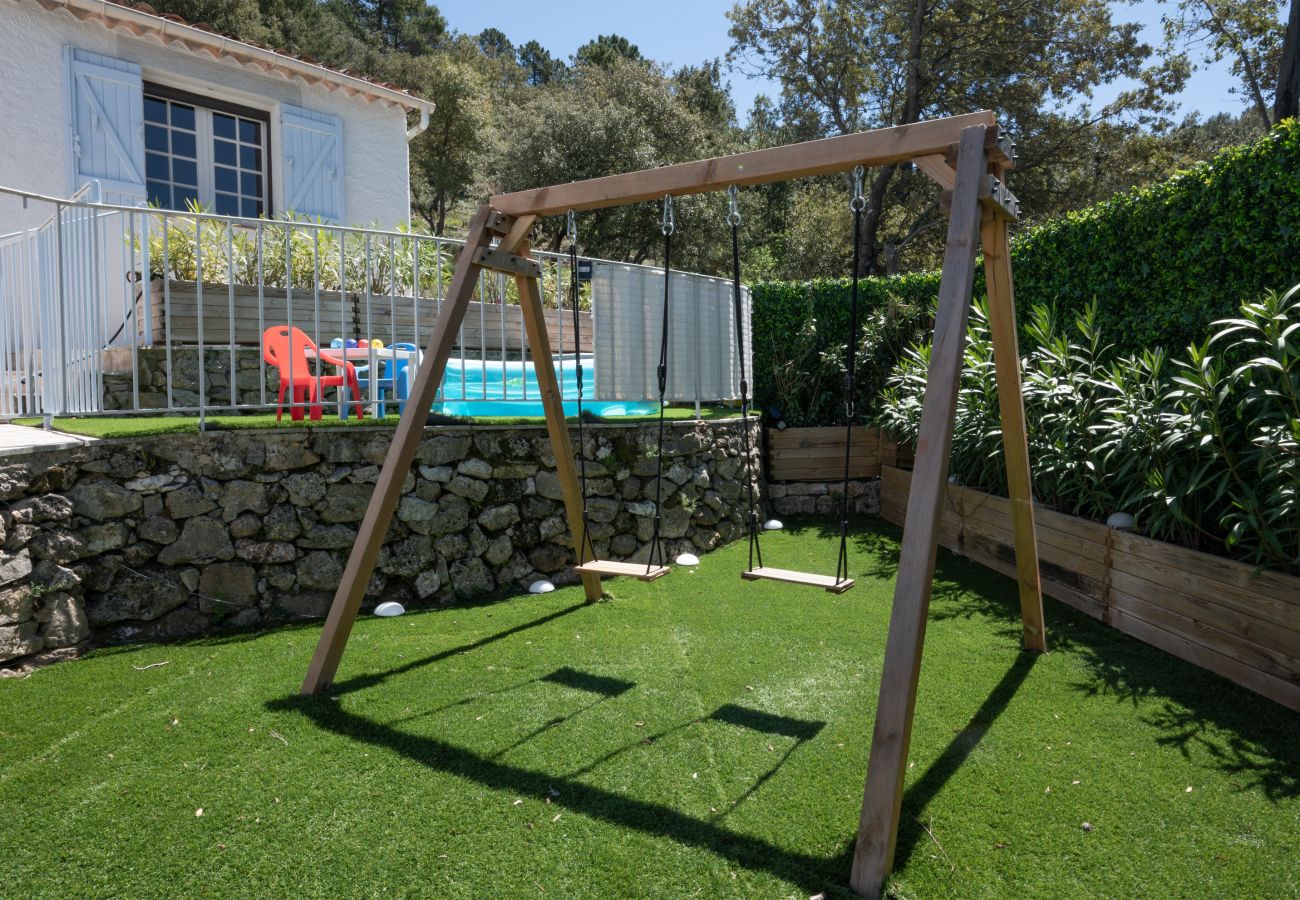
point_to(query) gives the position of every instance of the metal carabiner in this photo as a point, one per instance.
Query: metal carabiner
(668, 225)
(733, 207)
(858, 203)
(571, 227)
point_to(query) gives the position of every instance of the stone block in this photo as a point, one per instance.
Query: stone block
(202, 539)
(344, 503)
(19, 640)
(97, 539)
(16, 566)
(225, 585)
(65, 621)
(475, 468)
(497, 518)
(188, 501)
(100, 500)
(135, 596)
(467, 487)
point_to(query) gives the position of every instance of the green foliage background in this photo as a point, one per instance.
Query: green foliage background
(1161, 262)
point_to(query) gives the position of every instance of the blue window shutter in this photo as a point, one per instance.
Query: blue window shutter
(311, 159)
(106, 124)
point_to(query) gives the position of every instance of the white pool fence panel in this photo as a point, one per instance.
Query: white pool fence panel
(627, 314)
(115, 310)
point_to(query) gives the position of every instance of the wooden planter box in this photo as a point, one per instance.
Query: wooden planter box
(817, 454)
(489, 325)
(1210, 611)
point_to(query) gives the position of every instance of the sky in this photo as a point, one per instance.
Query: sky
(682, 32)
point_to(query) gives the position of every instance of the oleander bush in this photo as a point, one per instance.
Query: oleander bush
(1203, 451)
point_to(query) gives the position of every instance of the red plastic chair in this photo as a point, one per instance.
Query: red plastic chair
(286, 348)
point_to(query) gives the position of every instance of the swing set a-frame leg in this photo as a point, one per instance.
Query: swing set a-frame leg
(539, 342)
(882, 799)
(406, 441)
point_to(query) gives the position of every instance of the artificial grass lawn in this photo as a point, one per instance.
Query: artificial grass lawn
(697, 735)
(144, 425)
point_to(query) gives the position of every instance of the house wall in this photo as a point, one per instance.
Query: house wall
(34, 105)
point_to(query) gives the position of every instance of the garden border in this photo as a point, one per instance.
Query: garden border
(1213, 612)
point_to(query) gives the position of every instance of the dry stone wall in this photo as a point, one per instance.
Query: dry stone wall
(176, 535)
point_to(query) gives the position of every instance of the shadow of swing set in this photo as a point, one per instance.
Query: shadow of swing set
(968, 156)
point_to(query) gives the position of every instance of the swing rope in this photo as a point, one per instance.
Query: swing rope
(667, 227)
(733, 219)
(584, 543)
(856, 205)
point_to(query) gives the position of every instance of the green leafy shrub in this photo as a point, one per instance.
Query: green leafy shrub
(1204, 452)
(800, 334)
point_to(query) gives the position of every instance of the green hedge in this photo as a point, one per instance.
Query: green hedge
(800, 332)
(1162, 262)
(1165, 261)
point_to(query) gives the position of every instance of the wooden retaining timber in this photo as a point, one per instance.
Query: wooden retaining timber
(1213, 612)
(489, 325)
(817, 454)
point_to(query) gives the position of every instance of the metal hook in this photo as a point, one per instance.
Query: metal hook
(572, 228)
(668, 225)
(858, 202)
(733, 206)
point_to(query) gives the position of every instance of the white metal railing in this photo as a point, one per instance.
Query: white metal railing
(109, 309)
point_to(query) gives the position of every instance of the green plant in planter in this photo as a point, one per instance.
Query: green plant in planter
(1204, 452)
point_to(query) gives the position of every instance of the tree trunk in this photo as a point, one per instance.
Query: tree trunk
(442, 213)
(870, 244)
(1286, 102)
(869, 263)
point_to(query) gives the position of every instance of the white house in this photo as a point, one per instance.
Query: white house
(155, 109)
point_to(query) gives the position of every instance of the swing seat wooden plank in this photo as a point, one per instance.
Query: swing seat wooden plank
(826, 582)
(610, 567)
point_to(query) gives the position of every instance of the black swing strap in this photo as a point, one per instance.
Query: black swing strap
(737, 302)
(584, 542)
(667, 228)
(856, 205)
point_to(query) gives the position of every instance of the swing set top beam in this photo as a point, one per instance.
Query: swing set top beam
(837, 154)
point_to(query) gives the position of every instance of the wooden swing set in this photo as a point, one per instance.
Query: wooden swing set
(968, 156)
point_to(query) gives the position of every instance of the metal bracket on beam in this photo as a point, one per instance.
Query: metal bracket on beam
(1001, 147)
(501, 261)
(994, 193)
(498, 223)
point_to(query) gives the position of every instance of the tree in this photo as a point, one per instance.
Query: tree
(494, 44)
(408, 26)
(1247, 32)
(538, 64)
(606, 50)
(446, 159)
(602, 121)
(857, 64)
(1286, 98)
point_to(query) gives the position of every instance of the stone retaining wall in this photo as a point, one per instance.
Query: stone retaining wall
(822, 498)
(175, 535)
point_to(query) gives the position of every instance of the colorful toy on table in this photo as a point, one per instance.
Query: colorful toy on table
(336, 344)
(350, 344)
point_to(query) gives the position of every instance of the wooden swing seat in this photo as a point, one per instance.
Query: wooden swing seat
(610, 567)
(827, 582)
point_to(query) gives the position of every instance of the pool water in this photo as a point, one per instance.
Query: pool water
(473, 387)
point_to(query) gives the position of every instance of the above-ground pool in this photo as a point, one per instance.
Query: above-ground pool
(478, 387)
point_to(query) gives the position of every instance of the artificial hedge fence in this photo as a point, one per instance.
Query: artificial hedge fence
(1162, 262)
